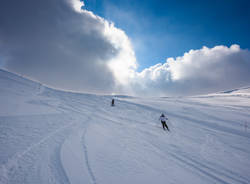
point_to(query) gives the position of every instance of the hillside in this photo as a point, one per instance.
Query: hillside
(51, 136)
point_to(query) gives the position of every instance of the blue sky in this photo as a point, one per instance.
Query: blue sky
(61, 44)
(160, 29)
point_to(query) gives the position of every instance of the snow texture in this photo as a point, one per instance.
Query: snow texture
(51, 136)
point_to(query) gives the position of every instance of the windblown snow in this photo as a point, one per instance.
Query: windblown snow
(51, 136)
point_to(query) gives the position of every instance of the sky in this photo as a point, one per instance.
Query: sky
(181, 25)
(151, 47)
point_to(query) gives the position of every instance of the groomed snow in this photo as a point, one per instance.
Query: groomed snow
(51, 136)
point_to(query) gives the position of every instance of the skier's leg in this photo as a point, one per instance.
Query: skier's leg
(166, 126)
(163, 125)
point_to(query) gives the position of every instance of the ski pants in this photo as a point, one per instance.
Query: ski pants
(164, 125)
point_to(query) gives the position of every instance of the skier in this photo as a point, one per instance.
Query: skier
(163, 121)
(113, 102)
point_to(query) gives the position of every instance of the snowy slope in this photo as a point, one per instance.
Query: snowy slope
(51, 136)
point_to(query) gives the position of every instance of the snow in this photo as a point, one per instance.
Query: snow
(52, 136)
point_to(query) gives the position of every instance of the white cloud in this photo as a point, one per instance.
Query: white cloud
(62, 45)
(77, 5)
(197, 72)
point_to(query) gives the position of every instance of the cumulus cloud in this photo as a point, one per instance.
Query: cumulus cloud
(62, 45)
(197, 72)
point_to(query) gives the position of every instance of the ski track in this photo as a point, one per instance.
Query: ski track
(206, 124)
(213, 173)
(90, 171)
(205, 169)
(82, 137)
(13, 161)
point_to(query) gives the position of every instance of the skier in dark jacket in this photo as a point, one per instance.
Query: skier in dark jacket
(163, 121)
(113, 102)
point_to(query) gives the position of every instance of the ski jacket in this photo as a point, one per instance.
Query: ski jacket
(163, 118)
